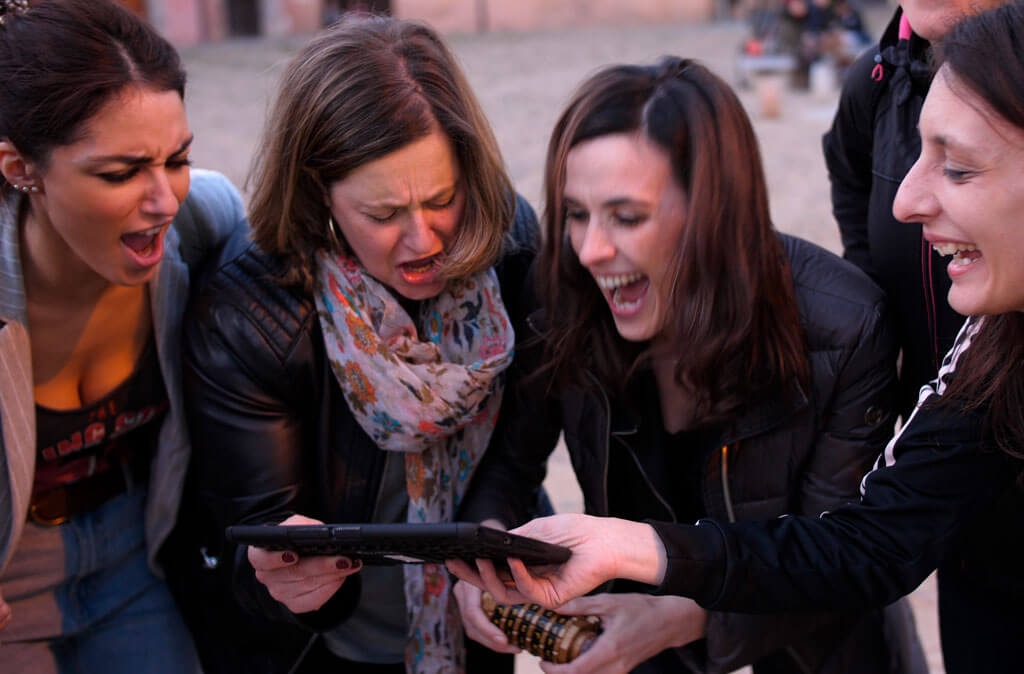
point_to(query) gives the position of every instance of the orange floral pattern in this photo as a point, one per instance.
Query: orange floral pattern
(434, 397)
(358, 388)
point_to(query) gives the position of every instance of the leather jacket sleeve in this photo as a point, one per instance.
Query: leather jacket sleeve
(933, 479)
(848, 154)
(854, 427)
(249, 391)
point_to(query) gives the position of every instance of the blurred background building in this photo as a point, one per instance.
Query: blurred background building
(188, 22)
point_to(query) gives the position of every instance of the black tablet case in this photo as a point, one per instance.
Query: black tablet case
(400, 543)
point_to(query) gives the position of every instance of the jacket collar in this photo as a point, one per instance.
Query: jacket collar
(12, 287)
(170, 281)
(918, 46)
(907, 63)
(761, 417)
(17, 433)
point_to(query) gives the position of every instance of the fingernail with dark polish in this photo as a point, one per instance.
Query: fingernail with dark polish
(343, 564)
(288, 557)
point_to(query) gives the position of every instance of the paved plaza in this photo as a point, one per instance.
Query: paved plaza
(523, 80)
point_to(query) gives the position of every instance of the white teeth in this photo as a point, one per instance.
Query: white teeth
(152, 231)
(613, 282)
(625, 306)
(954, 248)
(420, 265)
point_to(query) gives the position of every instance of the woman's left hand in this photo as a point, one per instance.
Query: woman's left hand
(301, 584)
(5, 613)
(636, 627)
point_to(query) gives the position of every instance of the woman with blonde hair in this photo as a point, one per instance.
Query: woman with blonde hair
(348, 366)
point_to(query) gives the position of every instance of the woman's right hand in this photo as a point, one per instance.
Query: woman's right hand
(478, 627)
(302, 584)
(602, 548)
(474, 620)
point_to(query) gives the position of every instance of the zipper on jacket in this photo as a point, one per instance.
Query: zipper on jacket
(607, 443)
(726, 492)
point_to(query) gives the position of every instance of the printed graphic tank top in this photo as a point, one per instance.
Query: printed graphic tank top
(72, 445)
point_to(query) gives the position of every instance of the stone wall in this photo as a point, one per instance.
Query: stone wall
(501, 15)
(187, 22)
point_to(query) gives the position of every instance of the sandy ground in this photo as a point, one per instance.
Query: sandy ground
(523, 80)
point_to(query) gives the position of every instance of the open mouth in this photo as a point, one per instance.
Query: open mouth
(964, 254)
(144, 242)
(423, 270)
(145, 246)
(625, 291)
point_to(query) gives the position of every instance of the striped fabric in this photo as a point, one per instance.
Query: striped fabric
(17, 412)
(936, 388)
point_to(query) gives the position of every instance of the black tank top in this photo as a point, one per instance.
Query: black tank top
(72, 445)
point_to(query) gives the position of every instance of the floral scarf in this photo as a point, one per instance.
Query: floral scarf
(433, 396)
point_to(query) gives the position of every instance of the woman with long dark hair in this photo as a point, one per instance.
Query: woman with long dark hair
(946, 492)
(699, 363)
(102, 225)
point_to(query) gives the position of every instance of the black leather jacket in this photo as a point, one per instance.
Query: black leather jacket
(798, 452)
(273, 437)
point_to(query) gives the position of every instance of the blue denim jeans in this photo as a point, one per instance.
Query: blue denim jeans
(104, 610)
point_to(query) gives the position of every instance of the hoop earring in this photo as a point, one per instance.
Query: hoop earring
(333, 234)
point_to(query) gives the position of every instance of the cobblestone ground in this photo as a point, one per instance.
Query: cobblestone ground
(523, 80)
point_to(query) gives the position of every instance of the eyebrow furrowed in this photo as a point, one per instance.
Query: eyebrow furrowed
(132, 160)
(444, 193)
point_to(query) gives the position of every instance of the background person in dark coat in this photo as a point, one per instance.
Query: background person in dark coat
(869, 149)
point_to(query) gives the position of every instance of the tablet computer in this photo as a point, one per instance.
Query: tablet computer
(405, 542)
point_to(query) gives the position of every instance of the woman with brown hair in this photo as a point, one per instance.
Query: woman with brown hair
(349, 364)
(102, 227)
(699, 363)
(946, 492)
